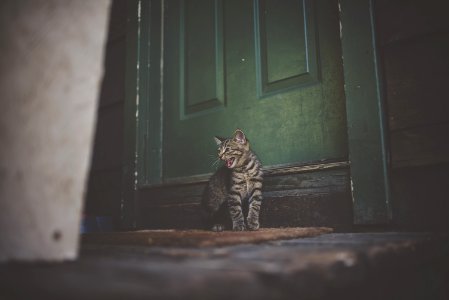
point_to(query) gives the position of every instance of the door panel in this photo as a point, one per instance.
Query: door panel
(285, 45)
(201, 56)
(271, 68)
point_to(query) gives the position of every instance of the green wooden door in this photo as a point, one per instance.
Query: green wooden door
(272, 68)
(199, 68)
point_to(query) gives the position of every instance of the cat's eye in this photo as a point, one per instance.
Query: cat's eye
(224, 149)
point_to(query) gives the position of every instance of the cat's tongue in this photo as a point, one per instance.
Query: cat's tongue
(229, 162)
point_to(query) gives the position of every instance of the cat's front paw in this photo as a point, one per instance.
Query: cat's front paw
(238, 227)
(217, 228)
(253, 225)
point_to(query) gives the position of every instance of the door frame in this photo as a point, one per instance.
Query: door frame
(365, 112)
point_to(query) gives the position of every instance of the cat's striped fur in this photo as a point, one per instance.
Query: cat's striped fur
(234, 192)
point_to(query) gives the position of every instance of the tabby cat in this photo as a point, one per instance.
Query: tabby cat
(234, 192)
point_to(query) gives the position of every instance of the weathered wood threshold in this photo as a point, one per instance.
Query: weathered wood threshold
(313, 194)
(283, 169)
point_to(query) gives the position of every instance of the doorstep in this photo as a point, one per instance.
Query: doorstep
(388, 265)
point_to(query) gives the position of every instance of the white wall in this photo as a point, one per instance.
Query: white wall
(51, 64)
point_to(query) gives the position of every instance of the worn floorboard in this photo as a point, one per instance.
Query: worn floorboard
(331, 266)
(201, 238)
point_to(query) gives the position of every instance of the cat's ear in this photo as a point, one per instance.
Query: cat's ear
(240, 137)
(218, 140)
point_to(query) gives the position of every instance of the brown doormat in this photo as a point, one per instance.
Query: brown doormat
(200, 238)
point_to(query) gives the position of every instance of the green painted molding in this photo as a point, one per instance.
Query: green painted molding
(150, 104)
(365, 114)
(128, 197)
(143, 125)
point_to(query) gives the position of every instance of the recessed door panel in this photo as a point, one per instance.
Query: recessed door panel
(286, 45)
(201, 56)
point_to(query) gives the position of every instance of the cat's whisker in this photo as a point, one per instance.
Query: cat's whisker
(215, 163)
(214, 159)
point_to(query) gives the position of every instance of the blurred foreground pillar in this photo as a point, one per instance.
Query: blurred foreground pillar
(51, 65)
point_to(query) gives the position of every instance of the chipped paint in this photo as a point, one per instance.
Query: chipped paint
(139, 11)
(339, 20)
(352, 190)
(139, 21)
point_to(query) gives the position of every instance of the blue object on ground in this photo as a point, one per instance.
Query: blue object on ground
(96, 224)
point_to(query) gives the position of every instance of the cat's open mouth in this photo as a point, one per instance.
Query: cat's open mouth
(230, 162)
